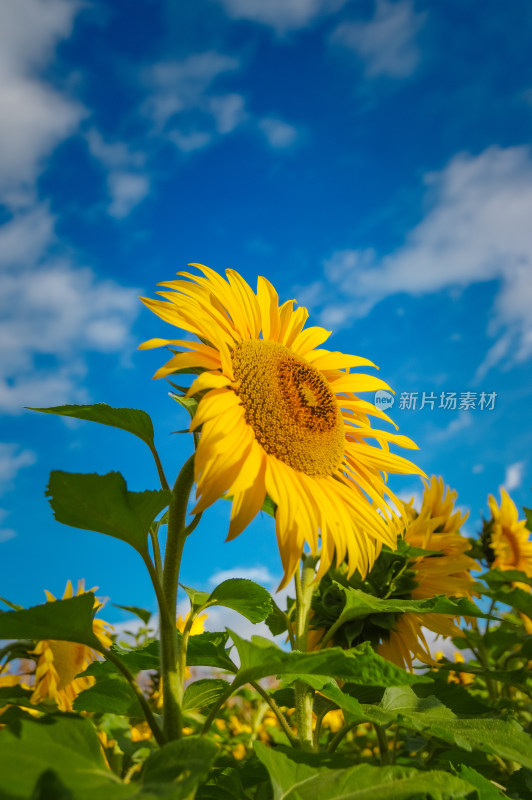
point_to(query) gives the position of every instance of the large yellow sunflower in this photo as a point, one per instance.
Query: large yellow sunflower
(60, 662)
(280, 417)
(436, 527)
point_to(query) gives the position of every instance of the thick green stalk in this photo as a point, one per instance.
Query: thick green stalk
(304, 694)
(176, 536)
(172, 667)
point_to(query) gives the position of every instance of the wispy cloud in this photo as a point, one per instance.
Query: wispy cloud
(513, 477)
(279, 134)
(281, 15)
(184, 105)
(50, 306)
(35, 116)
(128, 181)
(477, 229)
(12, 460)
(386, 43)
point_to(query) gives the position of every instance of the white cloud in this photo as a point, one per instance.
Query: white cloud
(387, 42)
(49, 307)
(182, 104)
(278, 134)
(228, 111)
(281, 15)
(6, 534)
(477, 229)
(128, 184)
(513, 477)
(12, 460)
(260, 575)
(126, 189)
(35, 116)
(457, 425)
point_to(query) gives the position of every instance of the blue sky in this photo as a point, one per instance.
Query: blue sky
(372, 159)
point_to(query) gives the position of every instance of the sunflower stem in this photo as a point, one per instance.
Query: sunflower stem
(173, 651)
(305, 586)
(160, 737)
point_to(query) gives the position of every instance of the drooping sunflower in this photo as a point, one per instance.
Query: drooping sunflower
(446, 572)
(510, 542)
(59, 662)
(509, 536)
(281, 417)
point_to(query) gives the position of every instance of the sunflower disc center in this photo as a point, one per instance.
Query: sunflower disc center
(290, 407)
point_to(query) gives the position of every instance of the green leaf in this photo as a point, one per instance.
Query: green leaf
(102, 503)
(486, 790)
(67, 620)
(502, 577)
(190, 404)
(261, 657)
(196, 597)
(428, 716)
(13, 606)
(184, 764)
(203, 693)
(242, 595)
(204, 650)
(360, 604)
(300, 776)
(111, 695)
(49, 785)
(269, 507)
(528, 515)
(132, 420)
(141, 613)
(136, 659)
(209, 650)
(64, 743)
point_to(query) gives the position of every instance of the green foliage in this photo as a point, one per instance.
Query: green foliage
(261, 657)
(68, 620)
(131, 420)
(296, 776)
(109, 696)
(440, 731)
(102, 503)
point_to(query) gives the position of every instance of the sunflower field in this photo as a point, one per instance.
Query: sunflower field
(399, 666)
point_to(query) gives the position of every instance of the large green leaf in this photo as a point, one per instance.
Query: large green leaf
(102, 503)
(132, 420)
(261, 657)
(360, 604)
(109, 696)
(203, 693)
(209, 650)
(428, 716)
(486, 790)
(64, 743)
(300, 776)
(184, 764)
(59, 757)
(242, 595)
(67, 620)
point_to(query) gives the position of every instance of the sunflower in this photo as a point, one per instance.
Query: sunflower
(60, 662)
(509, 537)
(283, 418)
(446, 572)
(509, 542)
